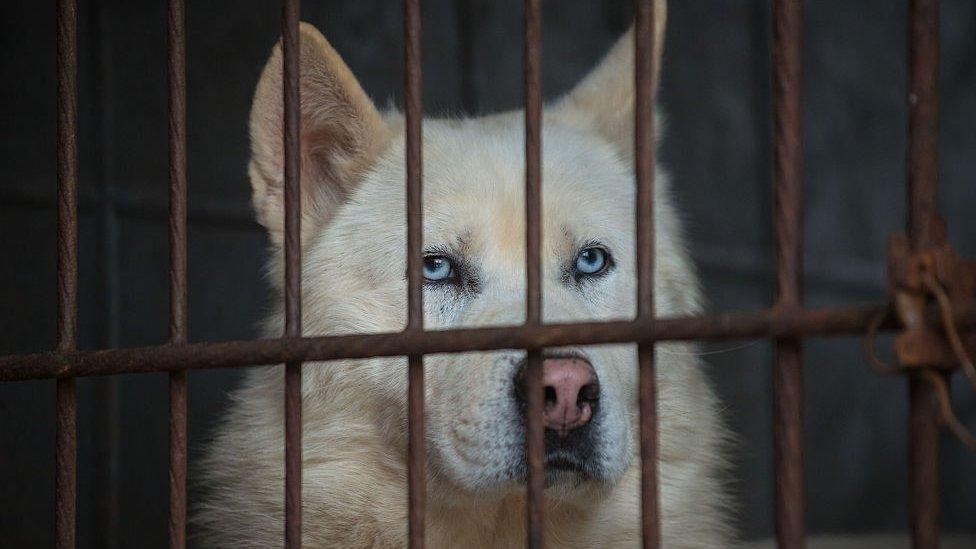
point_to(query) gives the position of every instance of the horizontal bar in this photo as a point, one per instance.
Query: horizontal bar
(766, 323)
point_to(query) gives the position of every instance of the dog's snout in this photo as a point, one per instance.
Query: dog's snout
(571, 392)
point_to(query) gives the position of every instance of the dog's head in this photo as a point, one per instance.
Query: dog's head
(353, 243)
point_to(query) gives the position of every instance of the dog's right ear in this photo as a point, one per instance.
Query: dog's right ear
(604, 99)
(341, 135)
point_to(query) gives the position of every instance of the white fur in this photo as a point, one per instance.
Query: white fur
(354, 411)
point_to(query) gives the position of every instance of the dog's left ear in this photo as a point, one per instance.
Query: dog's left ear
(342, 133)
(604, 99)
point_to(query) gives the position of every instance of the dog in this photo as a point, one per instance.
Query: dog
(353, 267)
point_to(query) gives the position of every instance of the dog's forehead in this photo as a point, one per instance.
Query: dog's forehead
(474, 188)
(476, 170)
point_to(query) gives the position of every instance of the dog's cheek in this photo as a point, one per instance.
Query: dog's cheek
(617, 367)
(445, 379)
(436, 393)
(471, 420)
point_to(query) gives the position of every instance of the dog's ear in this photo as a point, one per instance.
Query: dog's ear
(341, 135)
(604, 99)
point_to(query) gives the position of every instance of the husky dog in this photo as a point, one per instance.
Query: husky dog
(354, 263)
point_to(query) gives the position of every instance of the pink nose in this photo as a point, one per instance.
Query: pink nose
(571, 392)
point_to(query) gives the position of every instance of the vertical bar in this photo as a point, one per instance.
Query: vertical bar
(924, 232)
(65, 484)
(534, 426)
(413, 103)
(923, 464)
(177, 270)
(788, 422)
(923, 124)
(293, 273)
(644, 175)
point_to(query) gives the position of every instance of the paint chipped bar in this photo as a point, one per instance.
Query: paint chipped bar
(850, 321)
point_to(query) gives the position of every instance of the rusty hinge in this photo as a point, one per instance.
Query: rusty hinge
(916, 280)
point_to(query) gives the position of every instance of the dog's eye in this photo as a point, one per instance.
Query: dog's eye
(438, 268)
(591, 261)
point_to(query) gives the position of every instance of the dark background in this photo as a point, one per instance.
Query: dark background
(715, 93)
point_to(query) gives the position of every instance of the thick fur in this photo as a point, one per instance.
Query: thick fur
(353, 229)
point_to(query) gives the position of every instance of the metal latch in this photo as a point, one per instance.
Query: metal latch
(916, 281)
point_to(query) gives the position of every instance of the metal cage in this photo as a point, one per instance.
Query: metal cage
(787, 323)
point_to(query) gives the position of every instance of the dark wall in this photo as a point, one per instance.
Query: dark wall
(715, 93)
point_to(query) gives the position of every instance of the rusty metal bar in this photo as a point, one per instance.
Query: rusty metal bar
(737, 325)
(925, 231)
(177, 270)
(923, 463)
(923, 225)
(788, 390)
(413, 107)
(67, 431)
(644, 174)
(535, 447)
(293, 270)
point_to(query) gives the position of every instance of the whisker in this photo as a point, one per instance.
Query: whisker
(663, 350)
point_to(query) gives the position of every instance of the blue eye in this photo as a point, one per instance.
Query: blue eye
(591, 261)
(438, 268)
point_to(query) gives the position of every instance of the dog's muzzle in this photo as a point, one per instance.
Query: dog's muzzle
(571, 413)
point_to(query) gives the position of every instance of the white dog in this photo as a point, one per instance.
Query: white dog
(353, 231)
